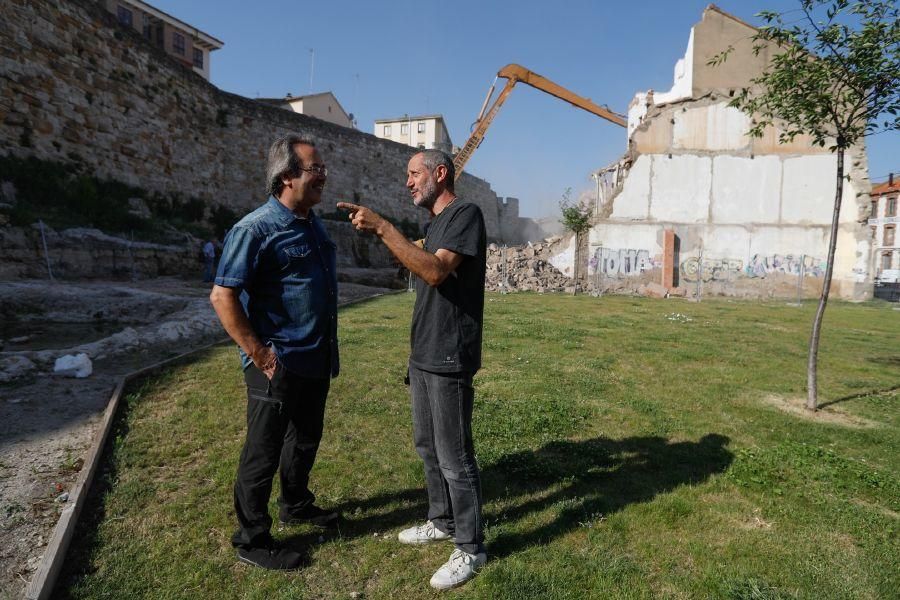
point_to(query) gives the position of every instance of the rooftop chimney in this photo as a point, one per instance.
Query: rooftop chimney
(890, 179)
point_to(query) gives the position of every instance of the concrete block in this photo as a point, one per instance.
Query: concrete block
(656, 138)
(634, 200)
(680, 188)
(655, 290)
(808, 189)
(710, 128)
(746, 190)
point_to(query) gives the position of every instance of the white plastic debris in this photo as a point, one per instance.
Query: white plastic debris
(74, 365)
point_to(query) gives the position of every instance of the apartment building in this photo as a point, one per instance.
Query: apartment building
(425, 131)
(322, 106)
(183, 42)
(884, 219)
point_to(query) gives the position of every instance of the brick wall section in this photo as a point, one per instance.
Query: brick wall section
(75, 86)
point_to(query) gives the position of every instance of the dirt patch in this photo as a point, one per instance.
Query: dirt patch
(831, 415)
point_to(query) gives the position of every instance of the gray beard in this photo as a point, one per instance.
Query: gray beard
(429, 196)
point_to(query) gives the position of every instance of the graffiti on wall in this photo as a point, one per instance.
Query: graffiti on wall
(725, 269)
(714, 269)
(621, 262)
(788, 264)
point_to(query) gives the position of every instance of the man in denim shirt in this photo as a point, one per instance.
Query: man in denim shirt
(276, 295)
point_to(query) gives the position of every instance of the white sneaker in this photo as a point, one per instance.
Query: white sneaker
(423, 534)
(461, 567)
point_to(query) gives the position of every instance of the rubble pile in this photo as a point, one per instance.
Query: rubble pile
(528, 268)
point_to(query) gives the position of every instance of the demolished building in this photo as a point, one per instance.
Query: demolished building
(696, 201)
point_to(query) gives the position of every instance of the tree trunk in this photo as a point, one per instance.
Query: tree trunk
(812, 392)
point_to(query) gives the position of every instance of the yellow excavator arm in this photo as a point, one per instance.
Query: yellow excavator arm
(513, 74)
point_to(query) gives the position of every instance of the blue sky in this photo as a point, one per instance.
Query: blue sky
(394, 57)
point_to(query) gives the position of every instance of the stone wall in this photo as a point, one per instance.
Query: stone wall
(76, 87)
(84, 253)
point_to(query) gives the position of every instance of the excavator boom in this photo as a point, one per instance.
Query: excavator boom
(513, 74)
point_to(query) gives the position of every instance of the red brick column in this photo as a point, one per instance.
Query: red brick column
(668, 266)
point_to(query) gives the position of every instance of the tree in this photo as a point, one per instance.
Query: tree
(835, 76)
(576, 217)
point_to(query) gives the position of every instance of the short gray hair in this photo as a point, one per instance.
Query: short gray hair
(432, 159)
(283, 161)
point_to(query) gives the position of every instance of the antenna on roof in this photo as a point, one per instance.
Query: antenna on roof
(312, 67)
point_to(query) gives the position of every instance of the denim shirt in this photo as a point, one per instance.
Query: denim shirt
(285, 267)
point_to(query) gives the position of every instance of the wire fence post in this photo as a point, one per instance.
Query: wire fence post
(504, 271)
(46, 253)
(700, 273)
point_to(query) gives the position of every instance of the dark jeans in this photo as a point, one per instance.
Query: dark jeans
(284, 427)
(209, 270)
(442, 431)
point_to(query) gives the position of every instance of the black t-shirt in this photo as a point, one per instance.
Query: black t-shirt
(447, 319)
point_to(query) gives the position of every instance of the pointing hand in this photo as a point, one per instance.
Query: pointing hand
(363, 219)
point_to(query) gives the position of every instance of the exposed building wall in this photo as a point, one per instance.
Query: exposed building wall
(76, 88)
(749, 213)
(405, 130)
(321, 106)
(884, 221)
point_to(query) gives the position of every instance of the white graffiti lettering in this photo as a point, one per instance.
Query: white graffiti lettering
(614, 262)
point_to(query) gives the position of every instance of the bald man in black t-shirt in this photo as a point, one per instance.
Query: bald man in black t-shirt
(445, 353)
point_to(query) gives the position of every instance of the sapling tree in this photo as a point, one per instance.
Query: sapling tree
(575, 217)
(834, 76)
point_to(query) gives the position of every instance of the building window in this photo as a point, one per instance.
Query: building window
(874, 213)
(124, 15)
(387, 130)
(891, 210)
(177, 43)
(404, 129)
(886, 260)
(148, 31)
(874, 233)
(198, 58)
(889, 235)
(421, 128)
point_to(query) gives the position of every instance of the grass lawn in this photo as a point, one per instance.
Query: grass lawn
(630, 448)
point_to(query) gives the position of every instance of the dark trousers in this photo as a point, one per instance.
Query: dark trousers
(442, 431)
(209, 269)
(284, 427)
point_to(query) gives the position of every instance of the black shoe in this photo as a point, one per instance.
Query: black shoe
(271, 557)
(310, 514)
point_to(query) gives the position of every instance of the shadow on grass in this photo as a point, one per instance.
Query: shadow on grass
(859, 395)
(592, 478)
(589, 479)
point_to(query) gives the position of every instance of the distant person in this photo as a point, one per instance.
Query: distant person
(276, 295)
(444, 356)
(209, 259)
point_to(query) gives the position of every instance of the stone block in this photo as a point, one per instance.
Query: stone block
(654, 290)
